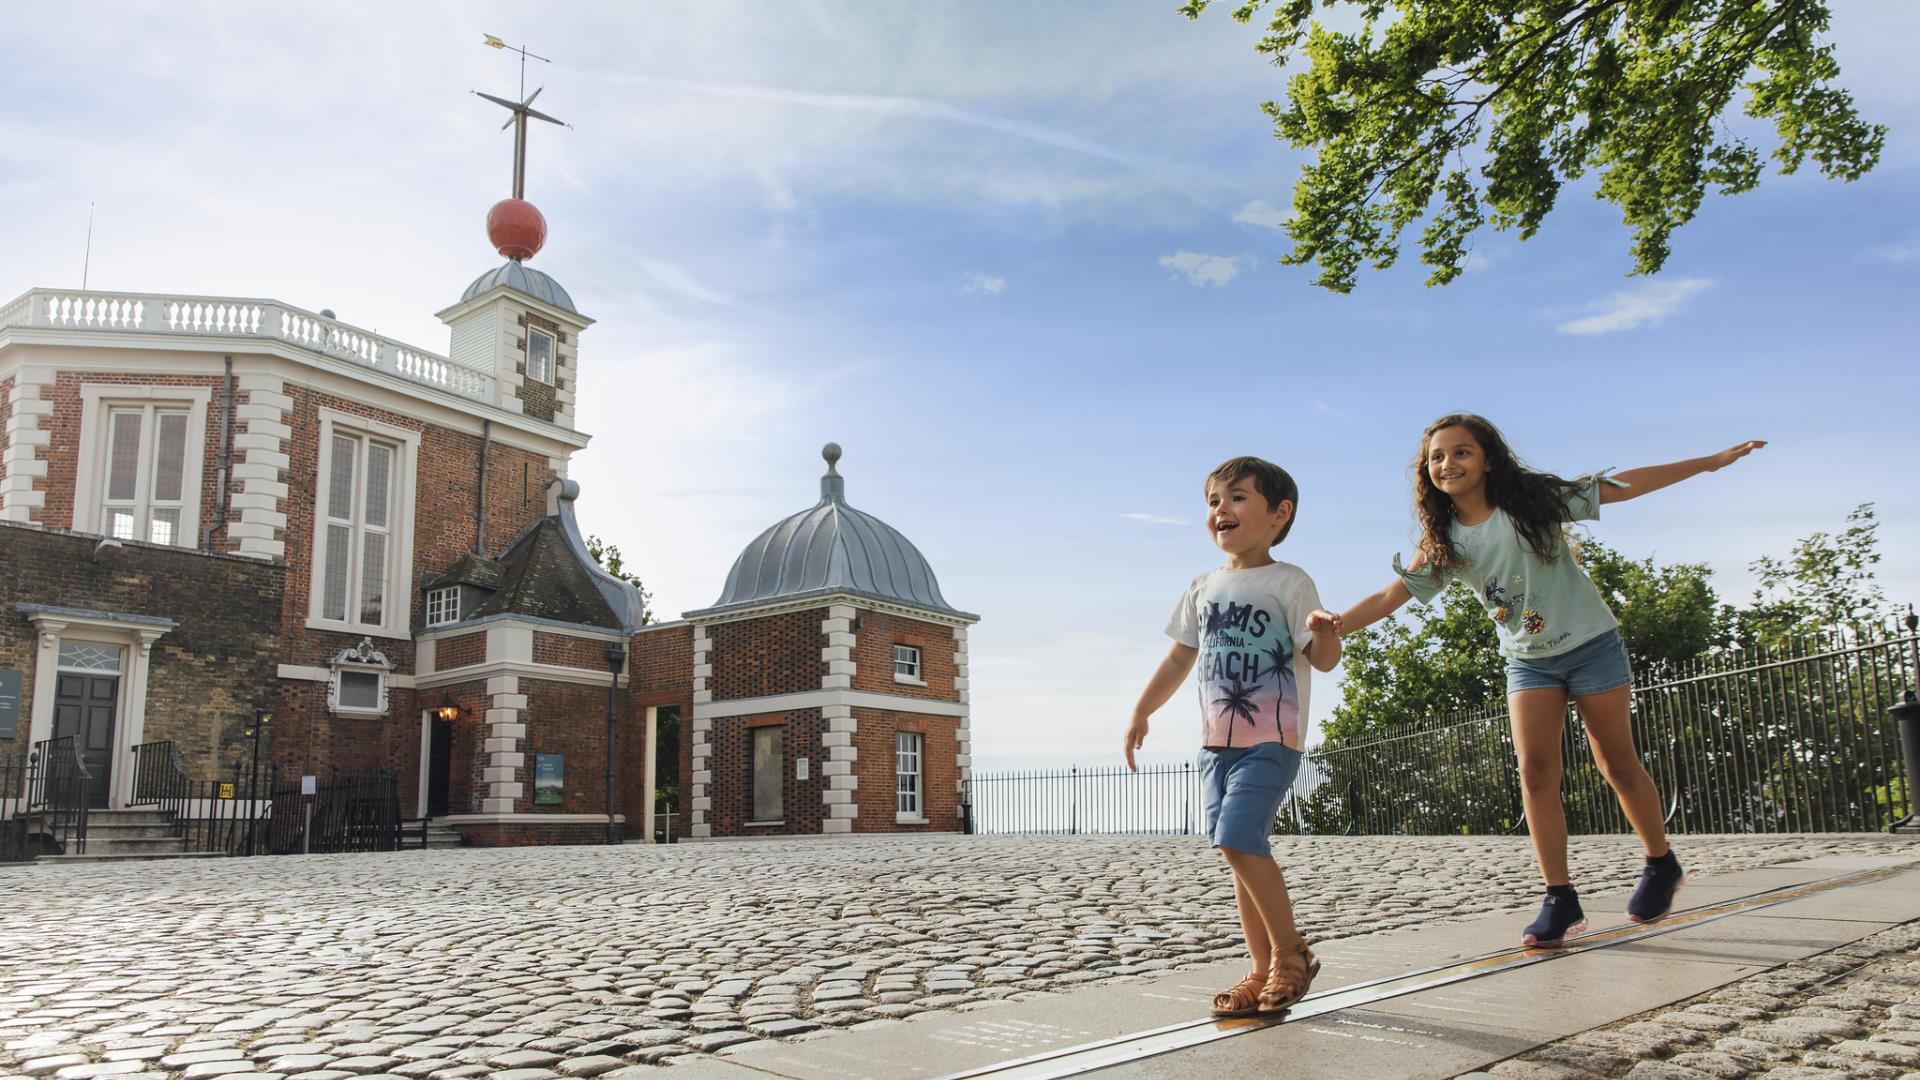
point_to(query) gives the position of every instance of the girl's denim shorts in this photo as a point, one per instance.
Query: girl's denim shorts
(1596, 667)
(1241, 789)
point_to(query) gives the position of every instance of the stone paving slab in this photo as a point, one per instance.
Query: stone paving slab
(1433, 1034)
(374, 965)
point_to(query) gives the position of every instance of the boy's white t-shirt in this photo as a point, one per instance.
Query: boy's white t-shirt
(1251, 629)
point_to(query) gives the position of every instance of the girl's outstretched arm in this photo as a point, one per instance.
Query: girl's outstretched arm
(1655, 477)
(1365, 613)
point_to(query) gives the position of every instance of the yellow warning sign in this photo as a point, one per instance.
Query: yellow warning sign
(226, 791)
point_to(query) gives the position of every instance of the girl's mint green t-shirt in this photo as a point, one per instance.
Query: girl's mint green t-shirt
(1541, 607)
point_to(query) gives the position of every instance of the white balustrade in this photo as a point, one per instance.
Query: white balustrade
(222, 316)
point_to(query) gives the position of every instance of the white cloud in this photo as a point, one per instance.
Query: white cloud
(979, 282)
(1327, 410)
(1646, 305)
(1201, 269)
(1906, 251)
(1155, 519)
(1258, 212)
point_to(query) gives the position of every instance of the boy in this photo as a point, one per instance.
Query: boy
(1246, 622)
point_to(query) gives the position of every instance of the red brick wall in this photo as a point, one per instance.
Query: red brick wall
(570, 719)
(62, 451)
(565, 650)
(460, 650)
(878, 794)
(873, 656)
(732, 765)
(661, 662)
(773, 654)
(530, 834)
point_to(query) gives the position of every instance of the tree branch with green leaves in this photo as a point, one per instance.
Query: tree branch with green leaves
(1466, 113)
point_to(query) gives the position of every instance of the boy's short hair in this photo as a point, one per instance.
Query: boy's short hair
(1270, 480)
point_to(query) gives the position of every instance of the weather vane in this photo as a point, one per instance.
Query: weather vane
(521, 110)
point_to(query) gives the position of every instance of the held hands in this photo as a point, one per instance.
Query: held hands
(1136, 738)
(1323, 621)
(1734, 453)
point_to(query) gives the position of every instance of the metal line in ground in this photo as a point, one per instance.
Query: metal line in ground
(1074, 1060)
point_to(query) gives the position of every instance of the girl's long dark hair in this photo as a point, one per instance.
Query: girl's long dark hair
(1535, 501)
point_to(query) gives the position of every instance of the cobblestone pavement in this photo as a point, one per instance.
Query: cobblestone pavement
(527, 964)
(1852, 1012)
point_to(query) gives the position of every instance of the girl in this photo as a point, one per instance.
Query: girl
(1493, 523)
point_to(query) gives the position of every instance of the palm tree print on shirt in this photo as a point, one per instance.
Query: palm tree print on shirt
(1238, 700)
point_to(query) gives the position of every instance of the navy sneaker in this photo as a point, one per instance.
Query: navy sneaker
(1560, 918)
(1653, 897)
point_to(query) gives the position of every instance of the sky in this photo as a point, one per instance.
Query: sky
(1020, 260)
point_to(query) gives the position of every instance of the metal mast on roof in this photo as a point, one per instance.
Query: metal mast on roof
(521, 110)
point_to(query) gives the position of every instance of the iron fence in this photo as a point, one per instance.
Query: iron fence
(1099, 799)
(225, 816)
(43, 802)
(347, 813)
(1793, 739)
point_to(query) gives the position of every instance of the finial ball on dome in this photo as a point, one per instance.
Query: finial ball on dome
(831, 452)
(516, 228)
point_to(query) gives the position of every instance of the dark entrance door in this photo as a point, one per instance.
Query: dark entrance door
(83, 708)
(439, 767)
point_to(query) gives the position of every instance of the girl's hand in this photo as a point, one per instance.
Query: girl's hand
(1323, 621)
(1734, 453)
(1136, 738)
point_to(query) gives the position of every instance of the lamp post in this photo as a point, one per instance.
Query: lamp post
(616, 656)
(260, 722)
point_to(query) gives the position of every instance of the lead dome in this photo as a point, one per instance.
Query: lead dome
(831, 548)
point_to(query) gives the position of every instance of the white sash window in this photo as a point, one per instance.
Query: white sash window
(906, 769)
(361, 555)
(145, 491)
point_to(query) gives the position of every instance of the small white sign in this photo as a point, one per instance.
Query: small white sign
(800, 769)
(309, 785)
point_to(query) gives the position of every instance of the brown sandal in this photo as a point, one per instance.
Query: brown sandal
(1285, 987)
(1243, 999)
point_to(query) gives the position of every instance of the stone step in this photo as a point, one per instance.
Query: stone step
(127, 846)
(135, 856)
(130, 817)
(114, 830)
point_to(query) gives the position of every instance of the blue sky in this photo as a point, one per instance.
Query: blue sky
(1019, 260)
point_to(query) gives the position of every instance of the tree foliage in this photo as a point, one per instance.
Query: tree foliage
(608, 556)
(1469, 112)
(1827, 581)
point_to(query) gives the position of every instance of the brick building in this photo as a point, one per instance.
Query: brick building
(215, 507)
(829, 690)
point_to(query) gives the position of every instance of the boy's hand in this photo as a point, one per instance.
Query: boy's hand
(1734, 453)
(1136, 738)
(1322, 621)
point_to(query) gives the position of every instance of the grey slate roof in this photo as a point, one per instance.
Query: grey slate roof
(521, 278)
(547, 573)
(830, 548)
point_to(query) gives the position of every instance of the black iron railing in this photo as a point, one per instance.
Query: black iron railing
(207, 815)
(1792, 739)
(347, 813)
(13, 805)
(43, 802)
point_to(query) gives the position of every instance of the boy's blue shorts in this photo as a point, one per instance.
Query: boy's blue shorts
(1241, 789)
